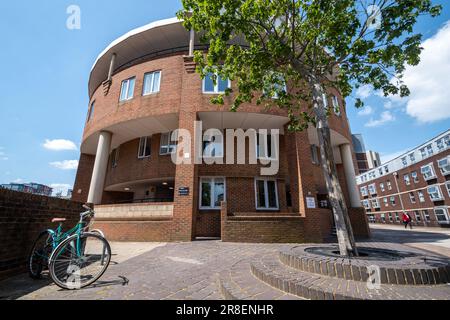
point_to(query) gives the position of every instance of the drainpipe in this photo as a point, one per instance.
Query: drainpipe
(111, 67)
(398, 190)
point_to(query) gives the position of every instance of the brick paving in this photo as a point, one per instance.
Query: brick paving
(206, 270)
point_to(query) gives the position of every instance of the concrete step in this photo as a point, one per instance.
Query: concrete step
(270, 270)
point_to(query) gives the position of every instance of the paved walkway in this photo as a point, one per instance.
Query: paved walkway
(184, 271)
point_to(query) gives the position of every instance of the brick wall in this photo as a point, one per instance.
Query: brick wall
(83, 178)
(22, 218)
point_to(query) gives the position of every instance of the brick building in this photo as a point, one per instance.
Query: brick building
(417, 182)
(142, 88)
(365, 160)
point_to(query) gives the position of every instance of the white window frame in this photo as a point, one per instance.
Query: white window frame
(386, 202)
(433, 176)
(212, 181)
(152, 82)
(440, 144)
(386, 169)
(216, 86)
(127, 83)
(415, 177)
(397, 217)
(391, 219)
(170, 144)
(445, 168)
(377, 203)
(445, 213)
(392, 200)
(418, 216)
(272, 147)
(439, 193)
(336, 105)
(407, 179)
(412, 197)
(266, 194)
(382, 187)
(426, 215)
(447, 186)
(372, 186)
(144, 141)
(364, 191)
(412, 157)
(421, 196)
(366, 204)
(404, 162)
(389, 184)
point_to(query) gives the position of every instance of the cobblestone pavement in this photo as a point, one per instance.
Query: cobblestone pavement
(183, 271)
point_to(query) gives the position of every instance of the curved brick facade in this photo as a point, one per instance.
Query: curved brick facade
(178, 104)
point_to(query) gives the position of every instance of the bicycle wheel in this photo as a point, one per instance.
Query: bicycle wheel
(79, 261)
(39, 254)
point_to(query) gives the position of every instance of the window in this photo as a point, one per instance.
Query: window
(372, 188)
(91, 111)
(423, 152)
(418, 216)
(441, 215)
(127, 91)
(389, 185)
(380, 171)
(364, 191)
(114, 157)
(412, 197)
(382, 187)
(386, 202)
(220, 86)
(167, 145)
(265, 146)
(383, 217)
(386, 169)
(397, 217)
(415, 177)
(447, 141)
(212, 191)
(152, 82)
(440, 144)
(430, 150)
(426, 214)
(336, 106)
(428, 172)
(212, 147)
(144, 150)
(375, 203)
(404, 162)
(266, 194)
(435, 193)
(279, 84)
(447, 186)
(392, 199)
(444, 165)
(366, 204)
(372, 174)
(390, 217)
(315, 154)
(421, 196)
(412, 157)
(407, 180)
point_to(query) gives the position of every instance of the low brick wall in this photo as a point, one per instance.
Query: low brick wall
(23, 217)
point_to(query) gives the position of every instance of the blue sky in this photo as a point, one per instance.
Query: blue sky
(45, 69)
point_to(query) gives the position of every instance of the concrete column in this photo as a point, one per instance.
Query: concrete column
(350, 177)
(191, 42)
(100, 168)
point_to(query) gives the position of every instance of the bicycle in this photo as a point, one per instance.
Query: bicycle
(71, 256)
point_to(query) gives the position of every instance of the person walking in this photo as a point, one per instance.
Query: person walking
(407, 220)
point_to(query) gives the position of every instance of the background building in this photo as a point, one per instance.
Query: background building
(34, 188)
(417, 182)
(365, 160)
(143, 87)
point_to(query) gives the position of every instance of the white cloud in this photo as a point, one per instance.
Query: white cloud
(366, 111)
(18, 181)
(59, 145)
(430, 95)
(386, 116)
(3, 156)
(386, 157)
(65, 165)
(364, 92)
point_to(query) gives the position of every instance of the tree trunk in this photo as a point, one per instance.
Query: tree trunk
(346, 240)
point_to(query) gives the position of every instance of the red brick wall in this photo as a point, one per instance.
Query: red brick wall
(23, 217)
(83, 178)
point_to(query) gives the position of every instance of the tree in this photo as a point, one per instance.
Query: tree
(311, 45)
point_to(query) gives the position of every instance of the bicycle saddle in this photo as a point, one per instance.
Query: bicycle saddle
(58, 220)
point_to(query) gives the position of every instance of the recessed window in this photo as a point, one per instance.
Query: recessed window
(336, 106)
(428, 172)
(421, 196)
(397, 217)
(412, 157)
(265, 146)
(404, 162)
(442, 215)
(390, 217)
(315, 154)
(375, 203)
(372, 188)
(415, 177)
(386, 202)
(435, 193)
(447, 186)
(220, 86)
(418, 216)
(167, 145)
(383, 217)
(115, 158)
(145, 144)
(426, 214)
(392, 199)
(386, 169)
(212, 191)
(389, 185)
(279, 85)
(407, 179)
(212, 146)
(412, 197)
(127, 90)
(152, 82)
(364, 192)
(266, 192)
(366, 204)
(380, 171)
(372, 174)
(440, 144)
(382, 187)
(444, 165)
(91, 111)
